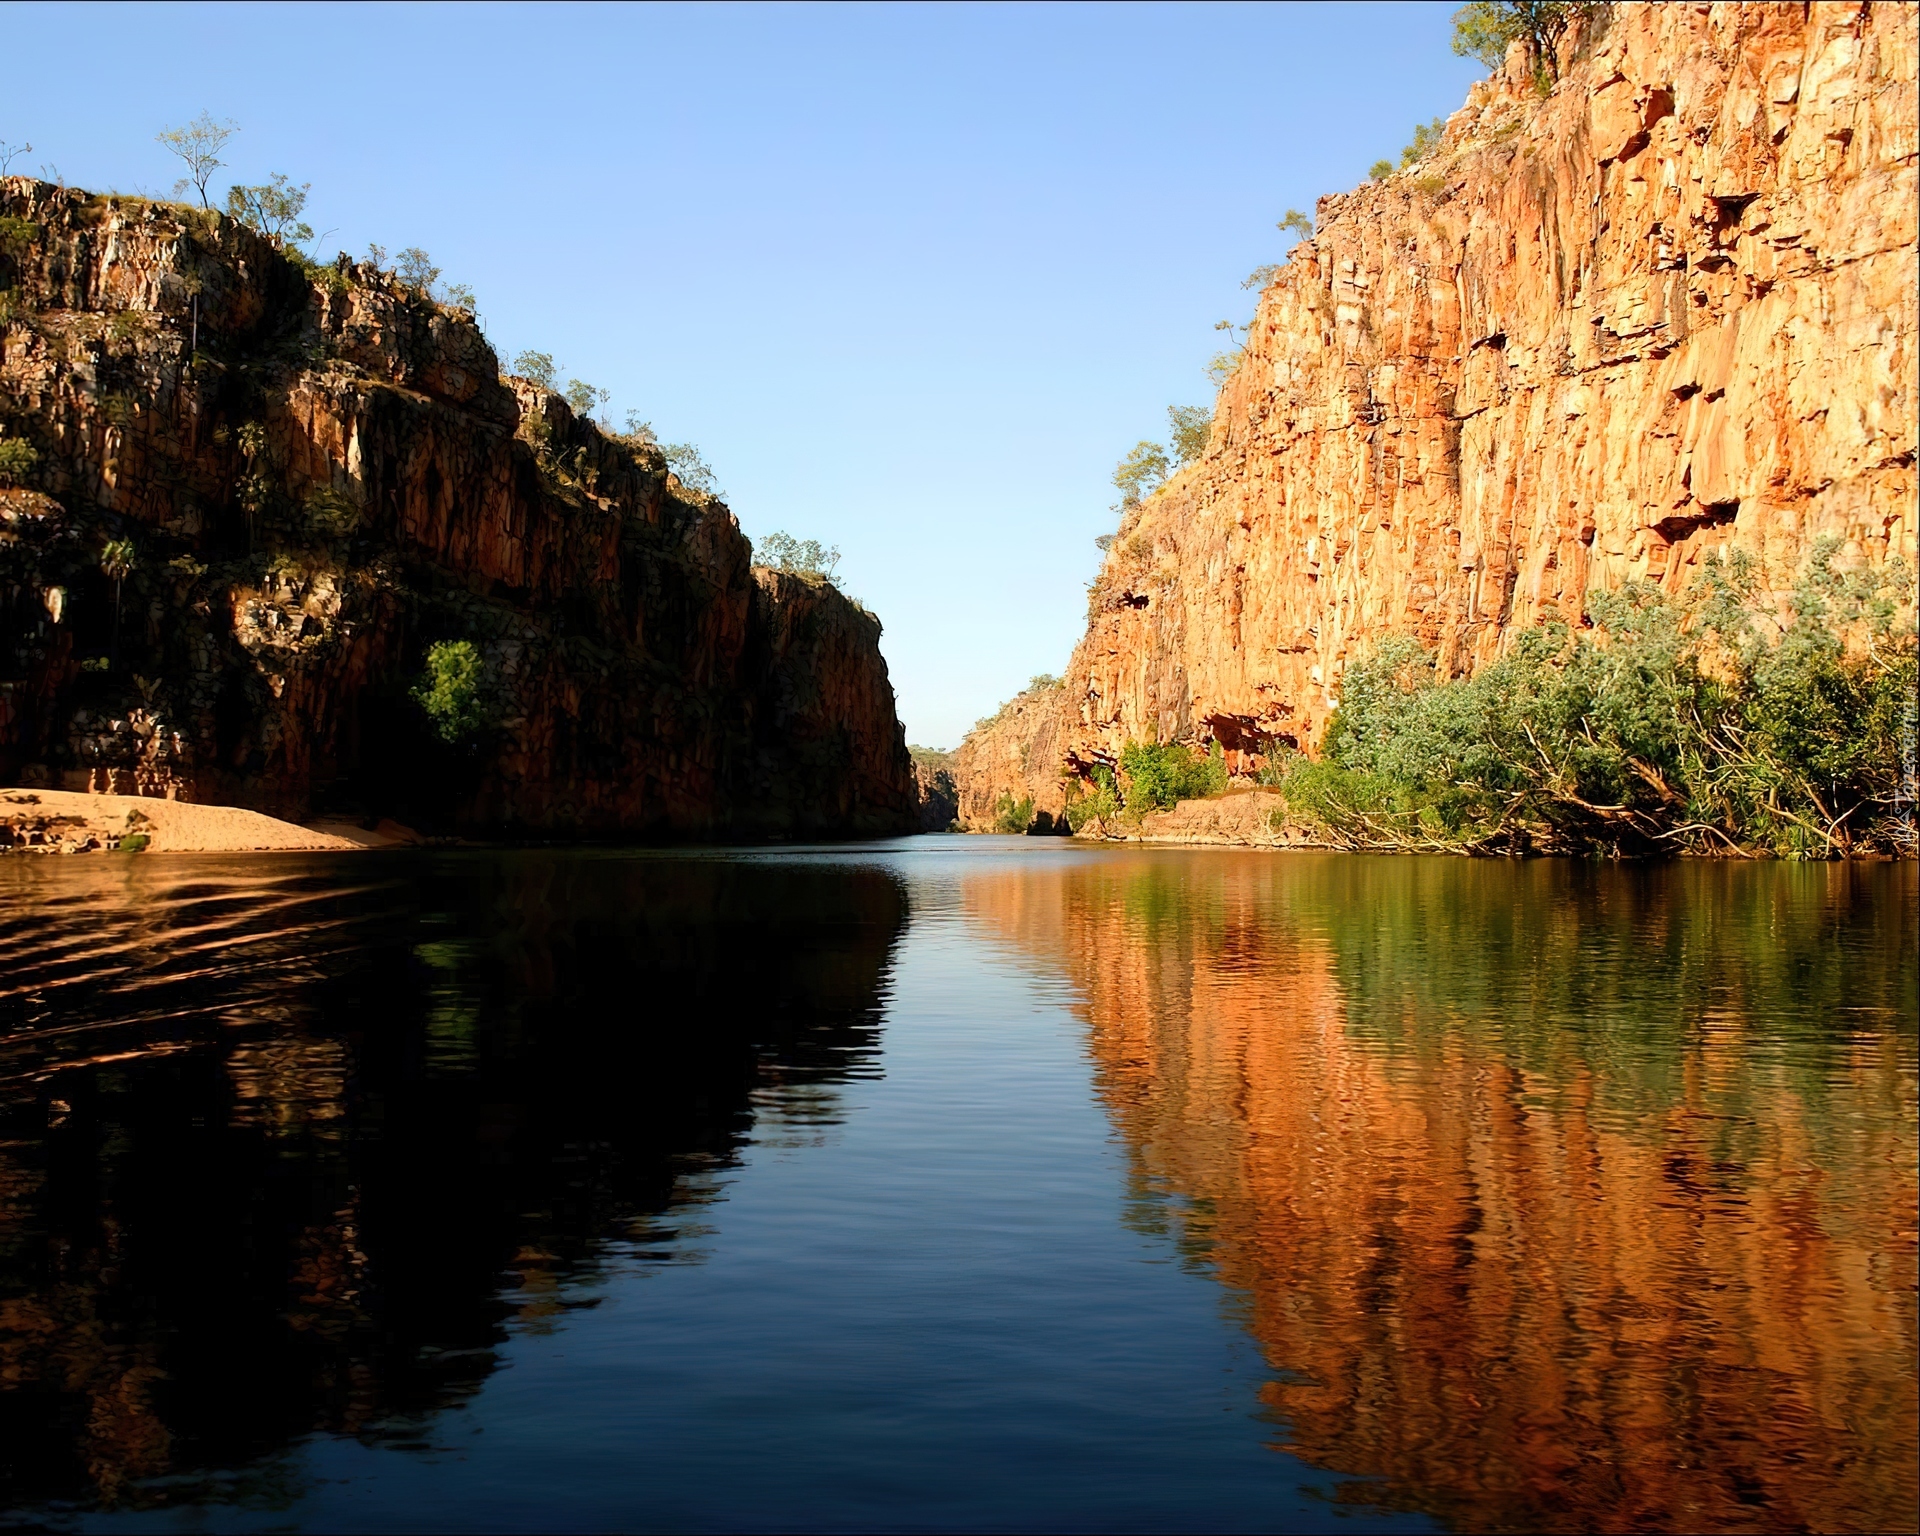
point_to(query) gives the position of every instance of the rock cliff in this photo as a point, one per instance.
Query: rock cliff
(316, 475)
(1667, 308)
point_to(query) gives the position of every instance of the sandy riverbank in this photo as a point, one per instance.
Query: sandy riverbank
(54, 820)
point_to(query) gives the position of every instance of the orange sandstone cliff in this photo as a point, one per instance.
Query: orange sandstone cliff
(1666, 309)
(318, 475)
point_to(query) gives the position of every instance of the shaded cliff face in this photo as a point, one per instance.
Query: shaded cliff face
(1667, 310)
(1472, 1174)
(322, 474)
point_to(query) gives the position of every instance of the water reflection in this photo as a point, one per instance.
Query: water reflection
(1558, 1197)
(292, 1145)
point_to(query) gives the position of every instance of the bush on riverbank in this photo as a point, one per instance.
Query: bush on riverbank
(1713, 728)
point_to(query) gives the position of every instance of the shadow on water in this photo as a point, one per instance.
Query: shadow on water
(294, 1144)
(1556, 1196)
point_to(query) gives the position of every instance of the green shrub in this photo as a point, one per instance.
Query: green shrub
(1667, 730)
(17, 459)
(537, 368)
(134, 842)
(1160, 777)
(1102, 803)
(18, 231)
(1380, 170)
(1426, 139)
(1012, 816)
(452, 691)
(1483, 29)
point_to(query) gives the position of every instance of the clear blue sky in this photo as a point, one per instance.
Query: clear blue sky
(912, 278)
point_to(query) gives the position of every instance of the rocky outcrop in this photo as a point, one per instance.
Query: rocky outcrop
(933, 783)
(1667, 309)
(321, 475)
(1019, 752)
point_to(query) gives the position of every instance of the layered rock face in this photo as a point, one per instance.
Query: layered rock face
(322, 475)
(1667, 309)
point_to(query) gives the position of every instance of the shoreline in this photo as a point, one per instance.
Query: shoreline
(60, 821)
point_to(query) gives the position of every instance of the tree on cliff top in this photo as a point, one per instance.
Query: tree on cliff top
(1484, 29)
(1192, 427)
(1141, 473)
(273, 209)
(799, 557)
(199, 144)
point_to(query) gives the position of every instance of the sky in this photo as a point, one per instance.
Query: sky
(912, 278)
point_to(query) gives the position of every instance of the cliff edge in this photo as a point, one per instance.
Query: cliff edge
(281, 536)
(1666, 309)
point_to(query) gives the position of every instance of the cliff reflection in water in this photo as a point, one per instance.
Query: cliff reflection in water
(1559, 1197)
(293, 1145)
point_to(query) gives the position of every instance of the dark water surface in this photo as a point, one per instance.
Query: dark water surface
(955, 1183)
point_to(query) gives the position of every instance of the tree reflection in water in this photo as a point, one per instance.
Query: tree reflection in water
(293, 1145)
(1559, 1197)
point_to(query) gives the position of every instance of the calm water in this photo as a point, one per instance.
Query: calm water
(955, 1183)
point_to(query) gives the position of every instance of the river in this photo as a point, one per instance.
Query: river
(956, 1183)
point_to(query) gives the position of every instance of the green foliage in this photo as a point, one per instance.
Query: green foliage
(415, 268)
(1041, 681)
(273, 209)
(1296, 222)
(799, 557)
(1192, 427)
(452, 691)
(17, 460)
(1484, 29)
(119, 560)
(134, 842)
(1100, 804)
(586, 400)
(693, 471)
(1011, 815)
(1380, 170)
(329, 516)
(1160, 777)
(537, 368)
(198, 144)
(640, 433)
(18, 231)
(1668, 730)
(1426, 139)
(1261, 275)
(1141, 473)
(1223, 366)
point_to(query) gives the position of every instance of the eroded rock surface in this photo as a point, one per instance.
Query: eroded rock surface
(1668, 309)
(322, 474)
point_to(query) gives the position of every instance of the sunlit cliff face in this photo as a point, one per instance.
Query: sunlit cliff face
(1548, 1214)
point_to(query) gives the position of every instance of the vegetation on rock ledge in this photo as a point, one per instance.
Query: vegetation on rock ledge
(1715, 729)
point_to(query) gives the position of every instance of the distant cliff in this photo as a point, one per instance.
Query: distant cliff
(245, 503)
(1666, 309)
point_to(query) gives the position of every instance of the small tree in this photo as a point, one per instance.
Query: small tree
(415, 268)
(1141, 473)
(1192, 427)
(118, 559)
(585, 399)
(1485, 29)
(694, 472)
(800, 557)
(273, 209)
(639, 432)
(198, 144)
(537, 368)
(1296, 223)
(1380, 170)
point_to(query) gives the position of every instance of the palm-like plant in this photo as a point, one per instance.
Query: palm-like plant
(118, 559)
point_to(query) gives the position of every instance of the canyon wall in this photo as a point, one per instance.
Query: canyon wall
(1665, 309)
(319, 475)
